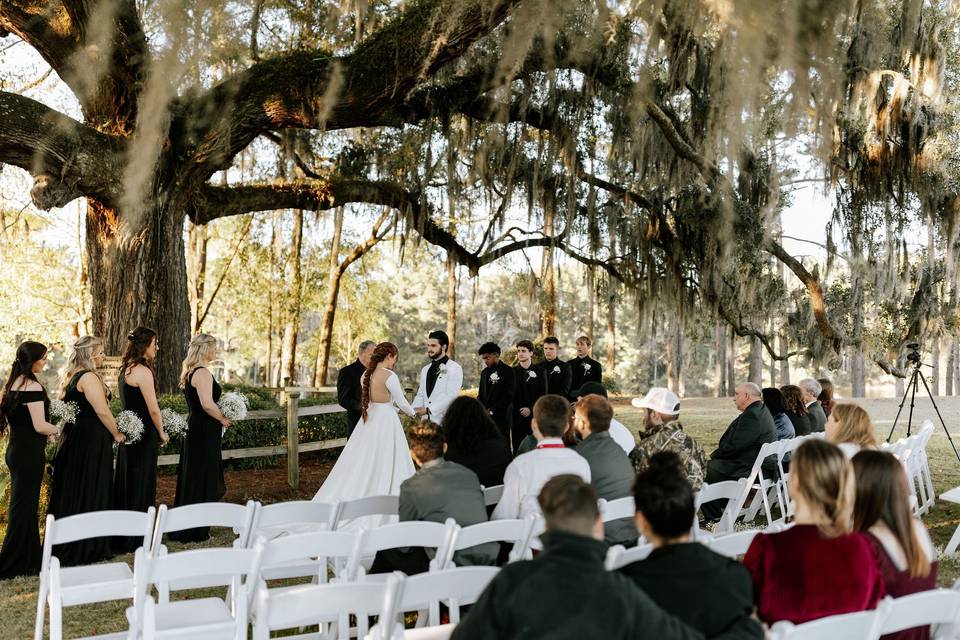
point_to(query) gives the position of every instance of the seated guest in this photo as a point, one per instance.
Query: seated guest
(527, 474)
(776, 405)
(796, 411)
(663, 432)
(440, 489)
(850, 428)
(826, 395)
(819, 567)
(711, 593)
(811, 391)
(611, 473)
(565, 592)
(497, 388)
(901, 544)
(740, 443)
(620, 434)
(474, 441)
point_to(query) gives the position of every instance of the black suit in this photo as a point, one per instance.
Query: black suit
(497, 395)
(559, 377)
(531, 385)
(584, 370)
(349, 393)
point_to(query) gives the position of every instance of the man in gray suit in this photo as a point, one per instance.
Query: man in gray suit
(811, 392)
(437, 491)
(611, 472)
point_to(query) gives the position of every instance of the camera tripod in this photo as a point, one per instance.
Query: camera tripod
(915, 378)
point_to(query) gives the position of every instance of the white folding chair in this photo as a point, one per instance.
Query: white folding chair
(516, 532)
(207, 514)
(329, 605)
(936, 607)
(454, 587)
(616, 509)
(350, 510)
(953, 495)
(404, 534)
(207, 617)
(492, 495)
(863, 625)
(767, 489)
(730, 490)
(69, 586)
(295, 516)
(310, 554)
(733, 545)
(618, 556)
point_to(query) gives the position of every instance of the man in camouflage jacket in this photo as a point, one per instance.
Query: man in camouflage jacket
(665, 433)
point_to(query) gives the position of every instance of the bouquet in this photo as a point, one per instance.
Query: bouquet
(173, 423)
(130, 425)
(233, 406)
(63, 413)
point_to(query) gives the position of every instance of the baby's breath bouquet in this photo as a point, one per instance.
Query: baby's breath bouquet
(130, 425)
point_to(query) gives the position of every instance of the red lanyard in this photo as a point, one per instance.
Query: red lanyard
(551, 446)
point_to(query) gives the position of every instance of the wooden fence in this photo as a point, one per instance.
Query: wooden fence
(294, 447)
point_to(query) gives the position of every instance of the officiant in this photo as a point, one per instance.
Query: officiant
(497, 387)
(348, 384)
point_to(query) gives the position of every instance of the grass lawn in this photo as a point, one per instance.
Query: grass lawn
(704, 418)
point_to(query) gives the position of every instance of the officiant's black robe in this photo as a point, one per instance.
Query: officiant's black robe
(566, 593)
(497, 395)
(349, 393)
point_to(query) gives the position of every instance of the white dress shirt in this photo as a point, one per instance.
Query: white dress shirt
(622, 436)
(526, 475)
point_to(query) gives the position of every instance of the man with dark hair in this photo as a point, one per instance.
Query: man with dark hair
(440, 381)
(559, 378)
(349, 389)
(530, 386)
(584, 368)
(620, 434)
(438, 490)
(526, 475)
(566, 593)
(497, 387)
(611, 473)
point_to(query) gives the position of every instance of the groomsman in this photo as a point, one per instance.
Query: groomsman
(584, 368)
(349, 391)
(559, 380)
(440, 381)
(497, 387)
(531, 384)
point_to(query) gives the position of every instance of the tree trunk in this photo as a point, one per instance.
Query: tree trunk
(197, 270)
(951, 363)
(591, 300)
(675, 356)
(549, 305)
(732, 365)
(452, 305)
(140, 280)
(755, 372)
(611, 329)
(720, 367)
(773, 365)
(935, 370)
(784, 364)
(330, 308)
(291, 326)
(955, 369)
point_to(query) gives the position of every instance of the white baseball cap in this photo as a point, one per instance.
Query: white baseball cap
(659, 399)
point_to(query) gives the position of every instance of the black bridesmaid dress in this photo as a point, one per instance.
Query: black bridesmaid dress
(21, 553)
(82, 477)
(135, 478)
(200, 473)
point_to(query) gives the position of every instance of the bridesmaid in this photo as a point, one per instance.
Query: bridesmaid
(135, 478)
(83, 466)
(200, 474)
(25, 409)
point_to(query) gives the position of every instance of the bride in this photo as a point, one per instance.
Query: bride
(376, 459)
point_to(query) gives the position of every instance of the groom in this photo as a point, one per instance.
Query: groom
(440, 381)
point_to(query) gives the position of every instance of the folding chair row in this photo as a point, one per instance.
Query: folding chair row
(912, 453)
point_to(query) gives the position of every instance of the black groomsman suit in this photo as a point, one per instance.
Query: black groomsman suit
(584, 370)
(531, 385)
(497, 395)
(558, 377)
(349, 393)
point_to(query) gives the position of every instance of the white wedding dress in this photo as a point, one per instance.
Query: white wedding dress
(376, 459)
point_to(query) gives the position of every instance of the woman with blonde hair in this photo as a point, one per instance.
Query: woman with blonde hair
(850, 428)
(83, 465)
(200, 473)
(819, 567)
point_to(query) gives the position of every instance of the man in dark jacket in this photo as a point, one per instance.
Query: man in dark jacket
(349, 390)
(811, 392)
(531, 384)
(566, 593)
(584, 368)
(740, 443)
(497, 388)
(559, 376)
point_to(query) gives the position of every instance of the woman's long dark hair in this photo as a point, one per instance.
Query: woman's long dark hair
(138, 341)
(467, 423)
(883, 496)
(793, 399)
(774, 401)
(27, 354)
(380, 353)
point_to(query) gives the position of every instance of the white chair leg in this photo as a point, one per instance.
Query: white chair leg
(41, 611)
(954, 542)
(56, 620)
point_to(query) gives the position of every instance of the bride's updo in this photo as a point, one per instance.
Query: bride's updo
(380, 353)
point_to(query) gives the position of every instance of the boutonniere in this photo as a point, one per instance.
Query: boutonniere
(494, 378)
(586, 366)
(531, 374)
(442, 371)
(556, 369)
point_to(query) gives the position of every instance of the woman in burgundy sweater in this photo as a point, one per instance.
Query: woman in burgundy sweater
(817, 568)
(900, 542)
